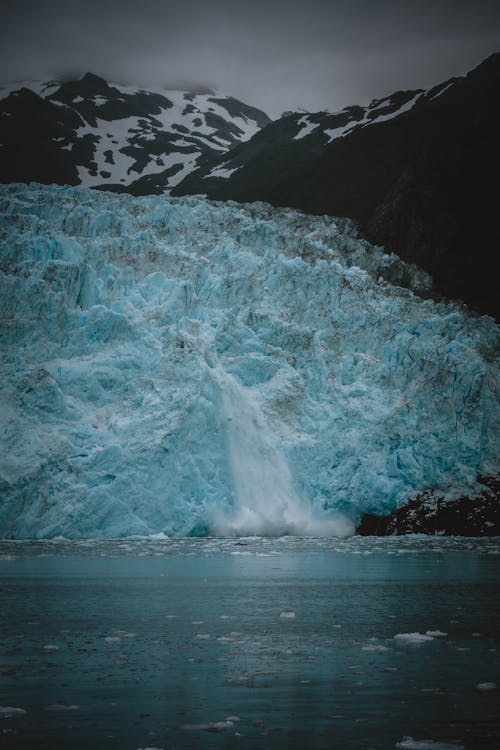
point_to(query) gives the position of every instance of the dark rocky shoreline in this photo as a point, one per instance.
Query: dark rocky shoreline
(429, 513)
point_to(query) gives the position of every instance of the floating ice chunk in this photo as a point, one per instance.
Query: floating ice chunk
(487, 686)
(112, 639)
(287, 615)
(8, 712)
(62, 707)
(215, 726)
(408, 743)
(50, 647)
(436, 633)
(373, 647)
(414, 638)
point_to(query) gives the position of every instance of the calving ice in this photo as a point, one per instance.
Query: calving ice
(176, 366)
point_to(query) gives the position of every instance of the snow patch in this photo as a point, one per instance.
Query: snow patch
(306, 127)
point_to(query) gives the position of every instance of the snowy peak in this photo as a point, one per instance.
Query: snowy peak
(319, 129)
(100, 134)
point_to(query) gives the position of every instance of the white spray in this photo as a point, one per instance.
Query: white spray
(267, 503)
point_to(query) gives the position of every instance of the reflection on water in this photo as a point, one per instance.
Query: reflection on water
(250, 643)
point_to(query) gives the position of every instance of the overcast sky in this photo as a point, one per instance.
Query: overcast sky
(276, 54)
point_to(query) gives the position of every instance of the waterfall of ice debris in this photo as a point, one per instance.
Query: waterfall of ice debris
(266, 501)
(176, 366)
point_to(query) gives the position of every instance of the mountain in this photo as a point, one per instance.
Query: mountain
(178, 366)
(89, 132)
(419, 171)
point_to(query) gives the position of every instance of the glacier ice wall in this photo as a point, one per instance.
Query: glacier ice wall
(178, 366)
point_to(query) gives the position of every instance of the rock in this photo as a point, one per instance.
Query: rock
(428, 513)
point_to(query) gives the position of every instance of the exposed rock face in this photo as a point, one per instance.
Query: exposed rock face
(419, 172)
(428, 513)
(93, 133)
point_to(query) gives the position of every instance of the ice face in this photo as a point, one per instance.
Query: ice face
(178, 366)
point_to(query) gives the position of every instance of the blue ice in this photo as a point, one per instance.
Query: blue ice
(177, 366)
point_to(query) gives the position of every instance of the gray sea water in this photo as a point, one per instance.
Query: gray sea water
(356, 644)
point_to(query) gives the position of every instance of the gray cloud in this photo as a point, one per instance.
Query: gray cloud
(279, 54)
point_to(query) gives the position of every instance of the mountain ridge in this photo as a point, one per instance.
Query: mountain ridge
(422, 182)
(418, 171)
(97, 134)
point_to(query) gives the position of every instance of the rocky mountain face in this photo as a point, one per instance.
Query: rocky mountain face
(431, 513)
(418, 171)
(89, 132)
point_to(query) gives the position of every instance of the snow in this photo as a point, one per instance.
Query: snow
(118, 134)
(175, 366)
(445, 88)
(306, 127)
(390, 115)
(370, 117)
(222, 171)
(188, 163)
(334, 133)
(38, 87)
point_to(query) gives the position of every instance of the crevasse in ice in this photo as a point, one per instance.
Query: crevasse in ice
(179, 366)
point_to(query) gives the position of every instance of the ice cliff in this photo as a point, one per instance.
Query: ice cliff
(178, 366)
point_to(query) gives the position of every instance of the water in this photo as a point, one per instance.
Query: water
(250, 643)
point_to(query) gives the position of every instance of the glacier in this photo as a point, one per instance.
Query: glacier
(175, 366)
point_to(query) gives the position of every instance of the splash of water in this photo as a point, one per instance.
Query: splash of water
(267, 502)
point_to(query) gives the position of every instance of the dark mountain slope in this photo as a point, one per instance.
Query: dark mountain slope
(425, 183)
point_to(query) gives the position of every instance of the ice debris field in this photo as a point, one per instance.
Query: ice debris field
(177, 366)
